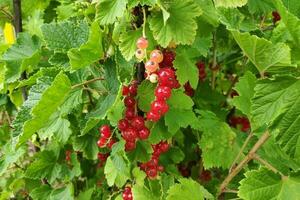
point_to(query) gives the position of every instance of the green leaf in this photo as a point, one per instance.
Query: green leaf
(264, 184)
(286, 113)
(143, 193)
(85, 195)
(245, 89)
(9, 156)
(109, 10)
(182, 14)
(65, 35)
(209, 12)
(262, 53)
(65, 193)
(41, 193)
(89, 52)
(273, 98)
(145, 95)
(217, 141)
(230, 3)
(88, 145)
(48, 103)
(124, 68)
(25, 47)
(180, 100)
(133, 3)
(142, 152)
(179, 118)
(45, 192)
(128, 43)
(139, 176)
(57, 127)
(234, 19)
(59, 59)
(20, 56)
(185, 63)
(156, 130)
(188, 189)
(264, 6)
(45, 166)
(116, 171)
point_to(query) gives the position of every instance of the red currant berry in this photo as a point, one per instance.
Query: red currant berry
(205, 176)
(151, 173)
(142, 43)
(68, 155)
(102, 142)
(129, 101)
(276, 16)
(105, 131)
(129, 146)
(138, 122)
(188, 89)
(133, 89)
(159, 106)
(164, 147)
(123, 124)
(144, 133)
(152, 116)
(125, 90)
(162, 92)
(160, 168)
(129, 113)
(152, 163)
(103, 156)
(130, 134)
(111, 143)
(156, 56)
(168, 58)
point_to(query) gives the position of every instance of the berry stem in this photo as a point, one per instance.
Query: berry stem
(214, 63)
(87, 82)
(240, 152)
(268, 165)
(144, 22)
(244, 162)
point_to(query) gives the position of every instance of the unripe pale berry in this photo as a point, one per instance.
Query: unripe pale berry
(156, 56)
(140, 54)
(142, 43)
(151, 66)
(153, 78)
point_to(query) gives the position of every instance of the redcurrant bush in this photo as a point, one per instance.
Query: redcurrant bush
(146, 99)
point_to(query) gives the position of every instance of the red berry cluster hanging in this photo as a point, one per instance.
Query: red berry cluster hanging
(276, 16)
(127, 194)
(202, 72)
(152, 167)
(240, 122)
(132, 127)
(105, 140)
(102, 157)
(68, 155)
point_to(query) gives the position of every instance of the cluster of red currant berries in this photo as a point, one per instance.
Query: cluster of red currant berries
(240, 122)
(276, 16)
(105, 140)
(102, 157)
(152, 167)
(132, 127)
(166, 82)
(127, 194)
(68, 155)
